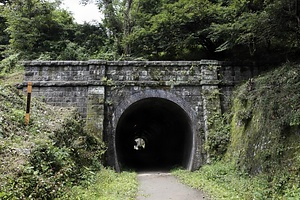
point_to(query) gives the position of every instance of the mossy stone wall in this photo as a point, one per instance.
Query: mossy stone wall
(102, 90)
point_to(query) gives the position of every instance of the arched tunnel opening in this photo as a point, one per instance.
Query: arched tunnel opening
(153, 134)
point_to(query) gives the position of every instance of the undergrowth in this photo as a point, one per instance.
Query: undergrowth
(54, 154)
(263, 156)
(31, 165)
(222, 180)
(265, 126)
(106, 184)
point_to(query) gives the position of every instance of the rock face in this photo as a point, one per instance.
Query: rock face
(168, 104)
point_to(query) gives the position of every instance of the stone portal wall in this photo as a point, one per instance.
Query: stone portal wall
(66, 83)
(103, 90)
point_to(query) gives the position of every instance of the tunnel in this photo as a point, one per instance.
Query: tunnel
(153, 134)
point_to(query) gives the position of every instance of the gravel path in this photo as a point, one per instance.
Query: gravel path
(163, 186)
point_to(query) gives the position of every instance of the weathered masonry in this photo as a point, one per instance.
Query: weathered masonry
(150, 114)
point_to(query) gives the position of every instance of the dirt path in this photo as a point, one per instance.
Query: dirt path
(162, 186)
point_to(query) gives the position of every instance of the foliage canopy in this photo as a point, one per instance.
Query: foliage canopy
(196, 29)
(154, 30)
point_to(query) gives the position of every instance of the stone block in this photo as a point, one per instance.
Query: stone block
(97, 86)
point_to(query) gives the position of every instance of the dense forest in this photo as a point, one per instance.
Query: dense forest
(153, 30)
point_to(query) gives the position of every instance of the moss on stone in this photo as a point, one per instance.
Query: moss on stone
(265, 122)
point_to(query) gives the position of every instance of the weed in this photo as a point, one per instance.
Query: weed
(43, 159)
(262, 159)
(106, 184)
(221, 180)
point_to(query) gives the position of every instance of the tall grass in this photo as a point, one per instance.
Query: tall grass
(106, 184)
(222, 181)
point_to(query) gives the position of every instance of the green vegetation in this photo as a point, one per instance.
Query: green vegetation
(153, 30)
(254, 148)
(106, 184)
(262, 160)
(53, 157)
(222, 181)
(197, 29)
(217, 138)
(40, 30)
(265, 122)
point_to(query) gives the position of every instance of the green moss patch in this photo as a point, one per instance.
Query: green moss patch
(265, 123)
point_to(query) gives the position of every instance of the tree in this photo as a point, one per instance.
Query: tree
(118, 21)
(268, 29)
(159, 29)
(4, 37)
(155, 29)
(174, 30)
(37, 27)
(196, 29)
(93, 38)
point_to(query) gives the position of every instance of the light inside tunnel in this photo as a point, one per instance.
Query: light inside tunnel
(153, 133)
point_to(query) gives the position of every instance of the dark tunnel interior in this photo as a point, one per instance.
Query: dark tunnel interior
(153, 134)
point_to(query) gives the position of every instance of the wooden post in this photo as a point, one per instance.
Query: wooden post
(27, 115)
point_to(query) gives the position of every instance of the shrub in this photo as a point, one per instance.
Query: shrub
(10, 64)
(48, 172)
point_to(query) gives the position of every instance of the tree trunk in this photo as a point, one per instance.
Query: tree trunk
(127, 26)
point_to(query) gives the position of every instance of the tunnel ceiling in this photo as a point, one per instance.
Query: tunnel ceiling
(153, 133)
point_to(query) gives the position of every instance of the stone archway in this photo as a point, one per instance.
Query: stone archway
(103, 91)
(153, 132)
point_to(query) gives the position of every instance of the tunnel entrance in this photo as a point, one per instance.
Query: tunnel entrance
(153, 134)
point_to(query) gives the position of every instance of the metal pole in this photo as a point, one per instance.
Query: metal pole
(27, 115)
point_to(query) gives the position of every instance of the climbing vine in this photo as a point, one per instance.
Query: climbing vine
(217, 138)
